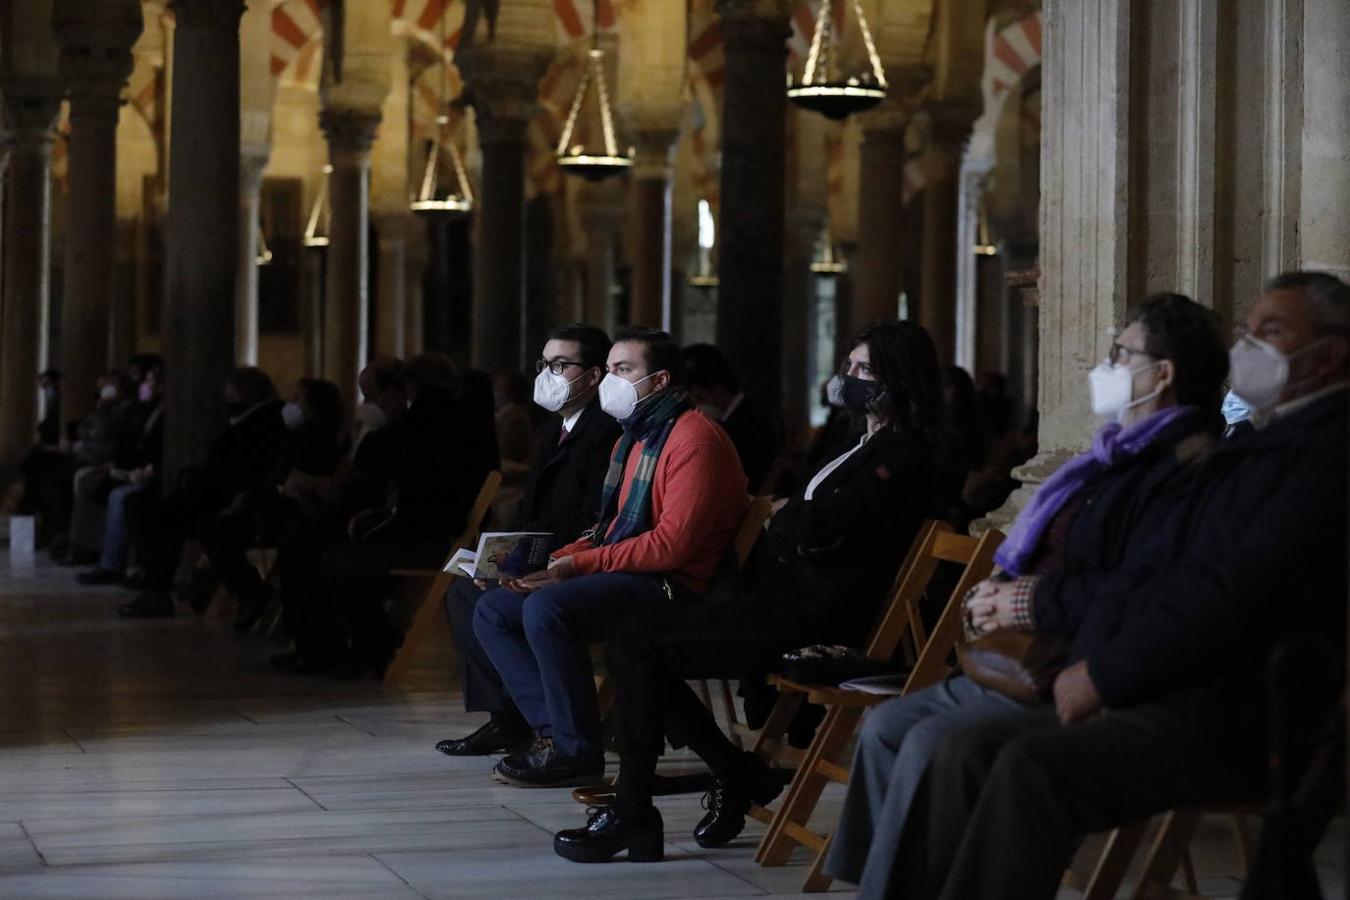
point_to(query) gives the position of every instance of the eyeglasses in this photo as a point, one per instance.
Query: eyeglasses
(556, 366)
(1120, 354)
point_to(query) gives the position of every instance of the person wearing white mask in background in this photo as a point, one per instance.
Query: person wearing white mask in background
(561, 496)
(1158, 390)
(672, 501)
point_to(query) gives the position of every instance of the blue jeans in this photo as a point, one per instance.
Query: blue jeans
(116, 537)
(539, 645)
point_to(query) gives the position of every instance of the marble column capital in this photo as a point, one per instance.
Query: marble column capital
(31, 108)
(252, 162)
(754, 27)
(95, 56)
(655, 157)
(350, 132)
(950, 125)
(503, 81)
(208, 15)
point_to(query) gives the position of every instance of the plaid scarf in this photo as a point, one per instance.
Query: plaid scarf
(651, 424)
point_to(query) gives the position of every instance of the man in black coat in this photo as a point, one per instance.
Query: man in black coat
(241, 459)
(714, 389)
(562, 496)
(1163, 704)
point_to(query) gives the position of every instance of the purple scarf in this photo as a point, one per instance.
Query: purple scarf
(1111, 446)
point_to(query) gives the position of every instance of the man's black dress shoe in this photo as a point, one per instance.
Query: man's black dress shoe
(729, 799)
(543, 766)
(147, 605)
(607, 834)
(100, 576)
(494, 737)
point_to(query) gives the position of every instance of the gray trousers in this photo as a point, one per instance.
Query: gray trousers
(897, 742)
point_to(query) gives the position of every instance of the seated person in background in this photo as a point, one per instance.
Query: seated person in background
(1160, 388)
(673, 498)
(363, 481)
(141, 422)
(135, 468)
(515, 441)
(715, 391)
(445, 446)
(962, 449)
(311, 452)
(1163, 702)
(242, 459)
(834, 549)
(562, 496)
(87, 458)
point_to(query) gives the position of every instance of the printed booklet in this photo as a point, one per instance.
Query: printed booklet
(504, 554)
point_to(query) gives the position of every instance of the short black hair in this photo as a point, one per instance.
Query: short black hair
(660, 349)
(1179, 330)
(325, 402)
(253, 384)
(705, 367)
(592, 341)
(1328, 296)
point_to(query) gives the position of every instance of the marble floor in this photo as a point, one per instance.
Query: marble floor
(167, 759)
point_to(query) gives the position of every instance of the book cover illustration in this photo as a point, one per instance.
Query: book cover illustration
(505, 555)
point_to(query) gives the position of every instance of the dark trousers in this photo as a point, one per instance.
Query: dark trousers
(482, 686)
(539, 645)
(1005, 800)
(355, 576)
(226, 539)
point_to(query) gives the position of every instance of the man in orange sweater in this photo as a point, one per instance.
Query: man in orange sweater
(672, 503)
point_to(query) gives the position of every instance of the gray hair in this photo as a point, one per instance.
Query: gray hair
(1327, 295)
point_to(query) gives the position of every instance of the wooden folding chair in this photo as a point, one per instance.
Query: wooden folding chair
(826, 759)
(427, 614)
(1168, 851)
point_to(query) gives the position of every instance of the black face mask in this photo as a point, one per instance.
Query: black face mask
(851, 393)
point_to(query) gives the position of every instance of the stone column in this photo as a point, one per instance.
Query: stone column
(1084, 229)
(750, 260)
(30, 121)
(350, 132)
(1324, 215)
(937, 288)
(504, 80)
(805, 225)
(651, 186)
(415, 258)
(878, 273)
(973, 176)
(203, 226)
(252, 162)
(601, 212)
(391, 310)
(95, 62)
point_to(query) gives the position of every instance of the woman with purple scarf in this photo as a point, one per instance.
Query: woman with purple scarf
(1158, 390)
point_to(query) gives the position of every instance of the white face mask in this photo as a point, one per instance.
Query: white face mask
(1260, 373)
(619, 396)
(553, 391)
(1112, 389)
(108, 392)
(293, 415)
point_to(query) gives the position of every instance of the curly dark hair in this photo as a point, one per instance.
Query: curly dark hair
(1183, 332)
(904, 363)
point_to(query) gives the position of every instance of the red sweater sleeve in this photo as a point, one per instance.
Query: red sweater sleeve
(703, 493)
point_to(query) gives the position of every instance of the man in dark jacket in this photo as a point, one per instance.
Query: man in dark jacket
(1163, 704)
(562, 496)
(714, 389)
(242, 458)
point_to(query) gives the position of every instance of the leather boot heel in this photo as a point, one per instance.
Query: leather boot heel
(647, 848)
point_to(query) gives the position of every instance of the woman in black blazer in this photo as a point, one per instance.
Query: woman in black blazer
(832, 553)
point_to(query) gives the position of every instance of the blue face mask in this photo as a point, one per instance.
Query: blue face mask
(1235, 409)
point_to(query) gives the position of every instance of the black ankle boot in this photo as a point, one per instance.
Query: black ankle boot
(730, 798)
(607, 834)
